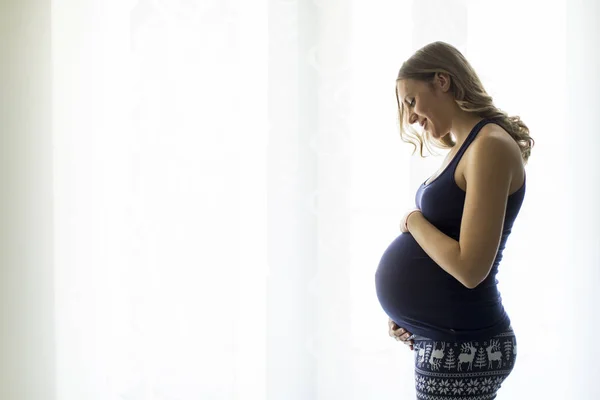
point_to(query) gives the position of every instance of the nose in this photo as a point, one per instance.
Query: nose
(414, 119)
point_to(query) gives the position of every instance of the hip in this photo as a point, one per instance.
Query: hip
(471, 367)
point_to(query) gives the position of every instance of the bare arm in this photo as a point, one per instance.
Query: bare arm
(488, 175)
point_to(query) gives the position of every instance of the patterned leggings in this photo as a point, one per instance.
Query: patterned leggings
(471, 370)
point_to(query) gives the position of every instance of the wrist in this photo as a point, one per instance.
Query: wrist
(408, 218)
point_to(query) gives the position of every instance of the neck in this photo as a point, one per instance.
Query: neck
(462, 124)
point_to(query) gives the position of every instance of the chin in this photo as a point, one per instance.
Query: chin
(431, 131)
(436, 135)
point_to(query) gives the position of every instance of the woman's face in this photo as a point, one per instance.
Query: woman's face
(426, 106)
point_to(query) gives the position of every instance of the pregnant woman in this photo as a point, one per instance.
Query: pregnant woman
(437, 280)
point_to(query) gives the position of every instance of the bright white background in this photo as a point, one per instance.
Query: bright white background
(227, 174)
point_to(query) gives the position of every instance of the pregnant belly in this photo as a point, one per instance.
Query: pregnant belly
(408, 282)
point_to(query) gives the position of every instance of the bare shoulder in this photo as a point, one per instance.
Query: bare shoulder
(494, 145)
(493, 138)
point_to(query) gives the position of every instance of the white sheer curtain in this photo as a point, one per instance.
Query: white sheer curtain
(227, 175)
(27, 326)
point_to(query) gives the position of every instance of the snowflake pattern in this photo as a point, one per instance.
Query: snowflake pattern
(458, 387)
(444, 386)
(431, 385)
(487, 385)
(472, 386)
(443, 380)
(422, 396)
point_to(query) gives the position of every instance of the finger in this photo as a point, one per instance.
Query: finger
(394, 329)
(402, 336)
(408, 334)
(397, 334)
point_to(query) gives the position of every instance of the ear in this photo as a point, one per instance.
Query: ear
(442, 81)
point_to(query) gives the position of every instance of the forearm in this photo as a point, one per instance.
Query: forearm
(442, 249)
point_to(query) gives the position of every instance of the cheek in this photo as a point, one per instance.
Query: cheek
(424, 108)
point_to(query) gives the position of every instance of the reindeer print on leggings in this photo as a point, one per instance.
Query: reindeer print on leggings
(467, 355)
(441, 373)
(494, 355)
(445, 356)
(436, 356)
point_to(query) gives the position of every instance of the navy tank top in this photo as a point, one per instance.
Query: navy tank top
(418, 294)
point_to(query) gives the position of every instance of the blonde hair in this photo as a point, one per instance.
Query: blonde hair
(468, 91)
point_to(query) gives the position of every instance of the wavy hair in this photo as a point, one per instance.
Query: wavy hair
(468, 91)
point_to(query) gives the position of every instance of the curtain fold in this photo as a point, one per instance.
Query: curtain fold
(579, 186)
(27, 313)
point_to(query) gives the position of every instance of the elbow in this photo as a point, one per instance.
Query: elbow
(475, 276)
(467, 280)
(471, 284)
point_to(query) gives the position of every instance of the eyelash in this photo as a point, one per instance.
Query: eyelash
(412, 102)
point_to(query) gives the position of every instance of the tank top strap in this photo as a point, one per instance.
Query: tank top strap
(469, 140)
